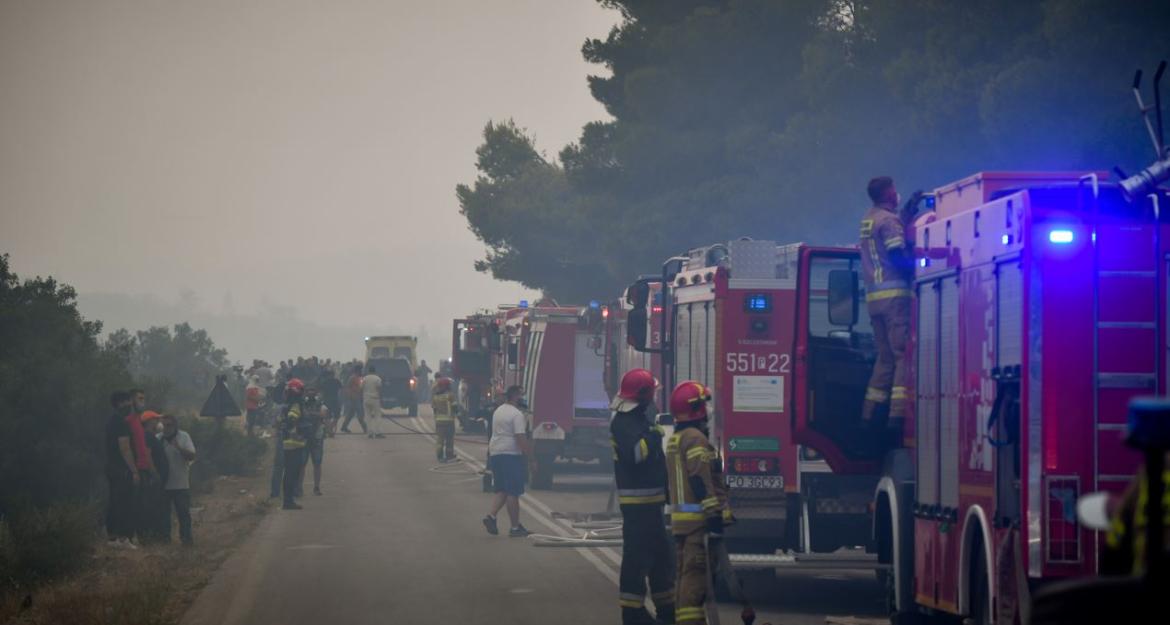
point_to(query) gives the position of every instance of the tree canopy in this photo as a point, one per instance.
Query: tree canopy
(765, 119)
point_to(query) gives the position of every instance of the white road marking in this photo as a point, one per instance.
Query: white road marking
(543, 514)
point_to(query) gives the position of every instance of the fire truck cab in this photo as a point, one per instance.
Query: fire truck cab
(1039, 312)
(751, 320)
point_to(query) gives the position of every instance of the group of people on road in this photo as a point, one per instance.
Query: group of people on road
(148, 461)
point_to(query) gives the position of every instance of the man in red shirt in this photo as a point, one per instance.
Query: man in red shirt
(142, 461)
(137, 434)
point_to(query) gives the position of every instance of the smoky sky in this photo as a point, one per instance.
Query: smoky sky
(275, 152)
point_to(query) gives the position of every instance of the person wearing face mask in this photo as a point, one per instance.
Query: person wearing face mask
(180, 453)
(155, 515)
(887, 268)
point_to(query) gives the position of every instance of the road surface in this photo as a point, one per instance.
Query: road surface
(397, 538)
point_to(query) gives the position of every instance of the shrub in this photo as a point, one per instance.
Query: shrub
(221, 450)
(48, 541)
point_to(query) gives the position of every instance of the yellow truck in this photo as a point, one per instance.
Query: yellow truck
(394, 358)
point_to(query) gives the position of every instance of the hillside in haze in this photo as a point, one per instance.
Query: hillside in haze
(274, 334)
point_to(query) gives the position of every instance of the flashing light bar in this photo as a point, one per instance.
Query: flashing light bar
(1006, 239)
(1060, 235)
(593, 304)
(523, 303)
(922, 262)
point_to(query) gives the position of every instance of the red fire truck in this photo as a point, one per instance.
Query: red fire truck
(474, 340)
(1039, 312)
(750, 319)
(557, 355)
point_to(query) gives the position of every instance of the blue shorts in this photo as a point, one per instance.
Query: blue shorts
(316, 448)
(509, 473)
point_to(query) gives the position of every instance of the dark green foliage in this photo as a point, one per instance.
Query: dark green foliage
(766, 119)
(55, 382)
(42, 543)
(177, 368)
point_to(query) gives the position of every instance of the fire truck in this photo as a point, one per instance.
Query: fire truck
(750, 320)
(474, 340)
(1039, 312)
(557, 355)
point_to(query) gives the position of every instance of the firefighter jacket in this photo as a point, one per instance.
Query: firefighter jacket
(639, 466)
(697, 491)
(292, 424)
(1130, 526)
(443, 405)
(883, 232)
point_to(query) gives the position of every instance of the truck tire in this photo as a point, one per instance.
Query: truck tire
(542, 474)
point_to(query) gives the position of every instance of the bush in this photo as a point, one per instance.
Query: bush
(41, 543)
(221, 450)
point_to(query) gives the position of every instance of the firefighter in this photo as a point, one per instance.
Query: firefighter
(292, 440)
(1128, 524)
(887, 267)
(443, 405)
(640, 473)
(699, 507)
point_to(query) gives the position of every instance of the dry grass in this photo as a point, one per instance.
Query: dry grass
(156, 584)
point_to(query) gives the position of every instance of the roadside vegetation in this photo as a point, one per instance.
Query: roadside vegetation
(56, 376)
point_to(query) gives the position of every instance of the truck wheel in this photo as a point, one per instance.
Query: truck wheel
(542, 475)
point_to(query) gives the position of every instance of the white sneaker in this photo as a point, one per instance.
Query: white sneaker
(129, 544)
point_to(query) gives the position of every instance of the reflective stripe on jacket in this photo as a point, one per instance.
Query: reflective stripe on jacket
(690, 455)
(882, 232)
(639, 466)
(443, 405)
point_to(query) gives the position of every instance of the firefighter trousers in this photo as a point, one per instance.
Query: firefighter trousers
(444, 439)
(891, 331)
(645, 556)
(692, 578)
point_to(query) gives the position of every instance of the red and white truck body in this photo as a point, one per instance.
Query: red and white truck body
(557, 355)
(749, 320)
(1039, 312)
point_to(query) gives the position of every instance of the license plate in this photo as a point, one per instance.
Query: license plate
(755, 481)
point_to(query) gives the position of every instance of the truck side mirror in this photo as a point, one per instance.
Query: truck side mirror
(843, 297)
(636, 322)
(513, 355)
(664, 418)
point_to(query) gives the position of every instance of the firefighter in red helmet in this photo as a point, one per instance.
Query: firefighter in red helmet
(699, 507)
(887, 267)
(640, 472)
(292, 437)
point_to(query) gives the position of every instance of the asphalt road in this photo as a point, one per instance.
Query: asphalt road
(397, 538)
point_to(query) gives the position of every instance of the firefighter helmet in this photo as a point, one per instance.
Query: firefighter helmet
(688, 402)
(295, 386)
(637, 386)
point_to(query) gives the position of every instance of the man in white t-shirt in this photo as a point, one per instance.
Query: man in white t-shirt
(180, 452)
(372, 402)
(508, 451)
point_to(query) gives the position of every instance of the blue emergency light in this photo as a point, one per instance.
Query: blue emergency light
(523, 303)
(594, 304)
(1060, 235)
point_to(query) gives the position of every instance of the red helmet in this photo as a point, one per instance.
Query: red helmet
(443, 385)
(688, 402)
(637, 386)
(295, 386)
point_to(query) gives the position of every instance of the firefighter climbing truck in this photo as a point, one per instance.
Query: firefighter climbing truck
(750, 320)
